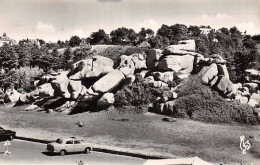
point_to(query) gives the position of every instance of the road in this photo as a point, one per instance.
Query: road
(30, 153)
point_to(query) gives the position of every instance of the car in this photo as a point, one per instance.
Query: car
(6, 134)
(68, 145)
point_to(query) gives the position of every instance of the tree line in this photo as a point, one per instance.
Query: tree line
(238, 48)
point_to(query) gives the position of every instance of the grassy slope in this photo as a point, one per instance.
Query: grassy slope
(200, 102)
(142, 133)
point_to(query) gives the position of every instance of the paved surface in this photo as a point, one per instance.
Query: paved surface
(23, 152)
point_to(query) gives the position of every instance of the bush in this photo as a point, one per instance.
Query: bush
(22, 79)
(138, 94)
(199, 102)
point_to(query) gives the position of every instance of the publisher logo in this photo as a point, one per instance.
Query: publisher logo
(244, 146)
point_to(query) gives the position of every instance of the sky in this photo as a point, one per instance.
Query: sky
(54, 20)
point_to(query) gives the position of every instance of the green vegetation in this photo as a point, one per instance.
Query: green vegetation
(200, 102)
(238, 49)
(137, 94)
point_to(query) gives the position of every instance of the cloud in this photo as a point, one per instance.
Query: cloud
(219, 17)
(249, 27)
(150, 23)
(215, 21)
(109, 1)
(44, 27)
(79, 32)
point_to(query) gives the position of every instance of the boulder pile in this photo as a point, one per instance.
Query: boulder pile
(92, 82)
(249, 92)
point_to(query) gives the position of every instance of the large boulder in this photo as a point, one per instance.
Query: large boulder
(129, 80)
(152, 59)
(148, 80)
(224, 85)
(222, 70)
(98, 65)
(159, 108)
(170, 107)
(25, 98)
(126, 61)
(60, 85)
(75, 88)
(158, 84)
(106, 100)
(46, 90)
(252, 72)
(176, 63)
(235, 87)
(254, 100)
(208, 73)
(11, 96)
(45, 79)
(127, 71)
(109, 82)
(241, 99)
(163, 76)
(139, 61)
(252, 86)
(213, 81)
(184, 47)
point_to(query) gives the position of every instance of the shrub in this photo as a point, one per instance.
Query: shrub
(138, 94)
(22, 78)
(199, 102)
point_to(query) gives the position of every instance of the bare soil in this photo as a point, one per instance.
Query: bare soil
(140, 133)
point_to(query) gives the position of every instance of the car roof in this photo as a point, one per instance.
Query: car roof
(69, 138)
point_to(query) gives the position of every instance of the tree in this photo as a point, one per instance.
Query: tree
(56, 64)
(174, 33)
(67, 58)
(123, 35)
(74, 41)
(195, 31)
(35, 56)
(8, 57)
(24, 55)
(145, 34)
(256, 38)
(158, 42)
(99, 37)
(202, 45)
(244, 59)
(179, 32)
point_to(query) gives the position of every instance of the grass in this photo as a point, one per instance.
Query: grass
(145, 133)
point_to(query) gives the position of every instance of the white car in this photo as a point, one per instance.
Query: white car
(66, 145)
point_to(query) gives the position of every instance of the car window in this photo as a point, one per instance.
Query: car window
(59, 141)
(69, 142)
(77, 141)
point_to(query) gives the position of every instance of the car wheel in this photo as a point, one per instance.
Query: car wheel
(87, 150)
(62, 152)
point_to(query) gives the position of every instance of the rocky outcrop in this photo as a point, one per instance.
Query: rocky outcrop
(183, 48)
(91, 67)
(109, 82)
(208, 73)
(11, 96)
(152, 59)
(46, 90)
(254, 100)
(177, 63)
(134, 61)
(106, 100)
(163, 76)
(224, 85)
(75, 88)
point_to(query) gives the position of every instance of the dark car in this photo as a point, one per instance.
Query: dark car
(6, 134)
